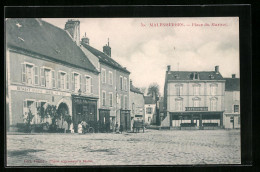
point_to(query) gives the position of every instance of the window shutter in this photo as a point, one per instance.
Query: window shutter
(84, 86)
(53, 79)
(68, 81)
(72, 82)
(91, 87)
(36, 75)
(58, 79)
(23, 73)
(42, 77)
(81, 82)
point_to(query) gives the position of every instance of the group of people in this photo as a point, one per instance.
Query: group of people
(82, 127)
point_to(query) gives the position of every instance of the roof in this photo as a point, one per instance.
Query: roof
(188, 75)
(105, 58)
(149, 100)
(42, 38)
(232, 84)
(135, 89)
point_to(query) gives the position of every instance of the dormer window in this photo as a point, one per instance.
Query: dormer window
(196, 76)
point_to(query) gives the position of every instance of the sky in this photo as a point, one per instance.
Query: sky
(145, 46)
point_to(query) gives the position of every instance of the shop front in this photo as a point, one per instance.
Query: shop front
(197, 117)
(84, 109)
(125, 119)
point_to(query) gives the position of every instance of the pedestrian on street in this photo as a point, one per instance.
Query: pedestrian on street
(121, 128)
(117, 131)
(79, 128)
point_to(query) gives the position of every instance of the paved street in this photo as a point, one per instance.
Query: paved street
(150, 148)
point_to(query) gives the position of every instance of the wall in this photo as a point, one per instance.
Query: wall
(18, 91)
(151, 116)
(138, 100)
(188, 95)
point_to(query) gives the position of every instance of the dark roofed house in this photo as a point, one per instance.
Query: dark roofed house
(150, 110)
(232, 103)
(191, 94)
(114, 85)
(45, 66)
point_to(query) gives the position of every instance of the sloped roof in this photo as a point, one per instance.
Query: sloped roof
(188, 75)
(42, 38)
(149, 100)
(135, 89)
(232, 84)
(104, 58)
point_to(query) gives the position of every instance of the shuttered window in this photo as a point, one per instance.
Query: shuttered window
(68, 81)
(53, 79)
(58, 80)
(23, 74)
(42, 77)
(36, 75)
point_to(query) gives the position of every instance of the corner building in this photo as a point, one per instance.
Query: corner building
(193, 99)
(44, 65)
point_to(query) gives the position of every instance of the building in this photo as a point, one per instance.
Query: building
(150, 110)
(195, 98)
(136, 103)
(161, 110)
(114, 87)
(45, 65)
(232, 103)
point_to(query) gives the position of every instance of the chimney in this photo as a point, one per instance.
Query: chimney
(131, 82)
(107, 49)
(169, 68)
(72, 26)
(85, 39)
(233, 75)
(217, 69)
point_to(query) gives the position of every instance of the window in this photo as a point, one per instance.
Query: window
(178, 90)
(236, 108)
(196, 90)
(53, 79)
(149, 110)
(88, 85)
(196, 103)
(36, 75)
(103, 75)
(103, 98)
(126, 103)
(179, 105)
(62, 80)
(110, 78)
(213, 104)
(76, 81)
(47, 75)
(27, 74)
(111, 99)
(238, 120)
(121, 83)
(213, 89)
(125, 84)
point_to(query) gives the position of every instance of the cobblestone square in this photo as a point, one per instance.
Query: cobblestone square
(150, 148)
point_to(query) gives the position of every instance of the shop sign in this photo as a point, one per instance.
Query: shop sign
(196, 108)
(38, 90)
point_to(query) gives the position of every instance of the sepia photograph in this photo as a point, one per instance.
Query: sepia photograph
(122, 91)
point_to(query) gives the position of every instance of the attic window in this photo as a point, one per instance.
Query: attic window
(211, 76)
(196, 76)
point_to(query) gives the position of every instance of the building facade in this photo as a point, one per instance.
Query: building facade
(150, 110)
(114, 87)
(195, 98)
(232, 103)
(136, 104)
(44, 66)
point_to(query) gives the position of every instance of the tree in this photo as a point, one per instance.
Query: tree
(153, 90)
